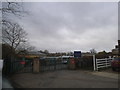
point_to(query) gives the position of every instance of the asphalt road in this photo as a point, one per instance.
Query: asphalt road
(66, 79)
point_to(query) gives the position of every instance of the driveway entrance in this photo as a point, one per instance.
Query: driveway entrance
(64, 79)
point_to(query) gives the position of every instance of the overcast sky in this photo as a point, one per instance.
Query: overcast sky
(65, 26)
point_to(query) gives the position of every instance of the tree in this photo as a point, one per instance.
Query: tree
(13, 34)
(24, 48)
(46, 51)
(93, 51)
(15, 8)
(70, 54)
(102, 54)
(7, 51)
(41, 51)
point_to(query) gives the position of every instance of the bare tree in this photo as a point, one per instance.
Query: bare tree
(24, 48)
(15, 8)
(93, 51)
(13, 34)
(46, 51)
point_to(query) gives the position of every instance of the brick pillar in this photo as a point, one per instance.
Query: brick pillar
(36, 65)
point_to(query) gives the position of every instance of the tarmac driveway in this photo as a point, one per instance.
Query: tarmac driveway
(65, 79)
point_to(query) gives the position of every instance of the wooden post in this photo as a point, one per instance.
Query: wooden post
(36, 65)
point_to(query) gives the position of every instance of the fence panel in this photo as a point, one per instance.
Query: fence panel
(53, 63)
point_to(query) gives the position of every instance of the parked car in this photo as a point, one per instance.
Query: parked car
(115, 63)
(65, 59)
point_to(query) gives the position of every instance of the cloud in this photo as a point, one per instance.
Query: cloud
(68, 26)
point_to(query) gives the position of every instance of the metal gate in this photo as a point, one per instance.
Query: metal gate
(53, 63)
(26, 66)
(17, 66)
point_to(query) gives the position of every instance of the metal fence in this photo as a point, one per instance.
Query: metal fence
(103, 63)
(53, 63)
(17, 66)
(45, 64)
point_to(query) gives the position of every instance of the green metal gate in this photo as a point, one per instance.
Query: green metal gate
(53, 63)
(17, 66)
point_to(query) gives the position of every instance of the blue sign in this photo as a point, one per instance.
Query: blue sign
(77, 53)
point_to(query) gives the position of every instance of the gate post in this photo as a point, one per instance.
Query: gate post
(35, 65)
(94, 62)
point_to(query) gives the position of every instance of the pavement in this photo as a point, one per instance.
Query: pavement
(4, 82)
(66, 79)
(0, 80)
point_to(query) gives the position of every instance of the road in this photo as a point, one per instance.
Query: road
(66, 79)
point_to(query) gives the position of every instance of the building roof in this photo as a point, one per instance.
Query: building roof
(35, 52)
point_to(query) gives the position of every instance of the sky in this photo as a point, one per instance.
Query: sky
(70, 26)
